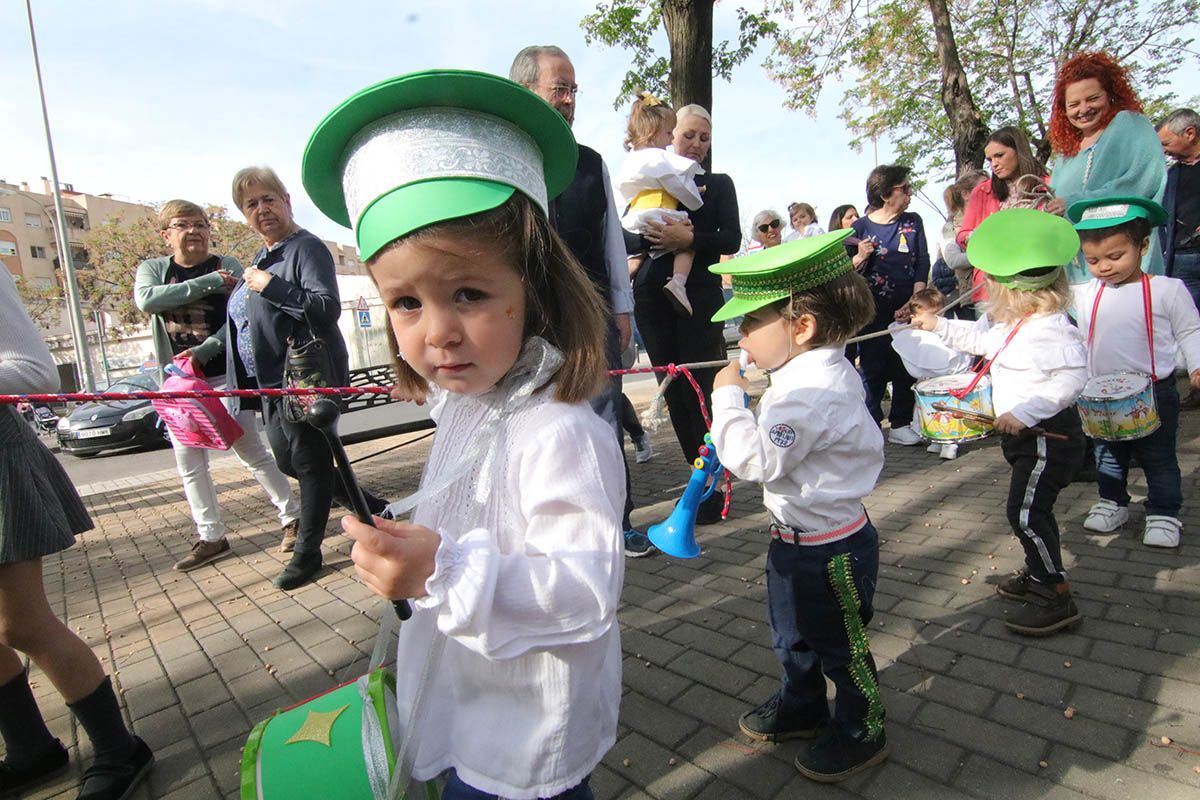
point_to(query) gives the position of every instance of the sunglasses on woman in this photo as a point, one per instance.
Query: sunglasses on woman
(773, 225)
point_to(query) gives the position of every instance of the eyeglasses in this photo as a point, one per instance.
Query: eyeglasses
(187, 226)
(560, 91)
(904, 187)
(773, 225)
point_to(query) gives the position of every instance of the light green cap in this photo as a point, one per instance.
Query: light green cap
(1108, 212)
(1021, 240)
(431, 146)
(776, 273)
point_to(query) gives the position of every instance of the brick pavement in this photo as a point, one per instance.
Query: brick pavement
(972, 710)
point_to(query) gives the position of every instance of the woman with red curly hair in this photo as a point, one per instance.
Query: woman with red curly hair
(1103, 145)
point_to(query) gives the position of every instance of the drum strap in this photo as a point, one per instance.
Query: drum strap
(1148, 313)
(970, 387)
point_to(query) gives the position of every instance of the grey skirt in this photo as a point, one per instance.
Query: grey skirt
(40, 511)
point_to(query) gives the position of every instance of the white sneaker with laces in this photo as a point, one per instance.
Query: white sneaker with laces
(905, 436)
(677, 293)
(643, 451)
(1106, 516)
(1161, 531)
(949, 451)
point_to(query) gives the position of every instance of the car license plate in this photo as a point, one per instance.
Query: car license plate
(93, 433)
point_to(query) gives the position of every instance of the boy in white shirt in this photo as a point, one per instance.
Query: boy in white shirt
(926, 356)
(1141, 324)
(817, 452)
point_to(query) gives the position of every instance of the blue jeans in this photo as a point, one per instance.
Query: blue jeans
(457, 790)
(809, 625)
(1156, 454)
(1186, 267)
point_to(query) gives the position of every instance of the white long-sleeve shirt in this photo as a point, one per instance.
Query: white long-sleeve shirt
(813, 447)
(1119, 343)
(524, 700)
(925, 355)
(1039, 373)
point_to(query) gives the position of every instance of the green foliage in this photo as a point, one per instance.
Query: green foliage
(44, 304)
(886, 50)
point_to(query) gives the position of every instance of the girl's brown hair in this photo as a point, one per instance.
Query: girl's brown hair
(562, 305)
(1007, 305)
(648, 116)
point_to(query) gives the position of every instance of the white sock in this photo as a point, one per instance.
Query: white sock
(680, 277)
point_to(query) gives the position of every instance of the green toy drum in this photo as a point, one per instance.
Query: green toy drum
(338, 744)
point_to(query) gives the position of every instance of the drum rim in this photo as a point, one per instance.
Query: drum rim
(1108, 375)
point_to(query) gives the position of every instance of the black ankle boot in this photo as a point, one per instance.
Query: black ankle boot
(115, 778)
(299, 571)
(18, 776)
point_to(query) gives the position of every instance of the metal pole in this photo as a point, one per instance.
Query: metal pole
(100, 341)
(83, 359)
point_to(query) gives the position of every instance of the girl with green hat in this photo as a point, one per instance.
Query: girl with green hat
(513, 557)
(1038, 364)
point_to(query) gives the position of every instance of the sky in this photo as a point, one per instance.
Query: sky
(149, 101)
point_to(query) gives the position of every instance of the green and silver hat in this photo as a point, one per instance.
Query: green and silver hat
(776, 273)
(1108, 212)
(431, 146)
(1023, 248)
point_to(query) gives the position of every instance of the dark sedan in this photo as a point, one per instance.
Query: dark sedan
(94, 427)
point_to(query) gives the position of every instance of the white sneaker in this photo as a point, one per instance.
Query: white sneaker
(643, 451)
(949, 451)
(905, 436)
(1106, 516)
(677, 293)
(1161, 531)
(936, 447)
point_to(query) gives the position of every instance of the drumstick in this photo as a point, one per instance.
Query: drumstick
(963, 413)
(962, 298)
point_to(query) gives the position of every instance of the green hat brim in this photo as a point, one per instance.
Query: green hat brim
(1138, 208)
(1014, 240)
(434, 200)
(324, 155)
(777, 260)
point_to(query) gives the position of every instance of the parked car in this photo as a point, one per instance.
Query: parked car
(731, 331)
(94, 427)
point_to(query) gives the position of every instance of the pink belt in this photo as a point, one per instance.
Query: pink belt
(789, 535)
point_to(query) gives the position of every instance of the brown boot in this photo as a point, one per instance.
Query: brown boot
(289, 536)
(202, 553)
(1048, 608)
(1015, 586)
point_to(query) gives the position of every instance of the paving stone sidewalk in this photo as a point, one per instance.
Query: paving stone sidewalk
(973, 711)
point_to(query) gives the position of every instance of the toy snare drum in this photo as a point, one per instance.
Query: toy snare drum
(944, 426)
(1119, 406)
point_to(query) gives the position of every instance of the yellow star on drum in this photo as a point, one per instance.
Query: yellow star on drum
(317, 726)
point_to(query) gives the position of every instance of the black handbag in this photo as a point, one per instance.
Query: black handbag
(306, 365)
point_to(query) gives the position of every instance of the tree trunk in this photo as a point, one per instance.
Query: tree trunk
(966, 126)
(690, 35)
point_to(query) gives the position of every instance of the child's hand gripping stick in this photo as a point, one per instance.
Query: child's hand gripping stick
(323, 415)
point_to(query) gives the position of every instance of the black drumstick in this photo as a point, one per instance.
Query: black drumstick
(323, 415)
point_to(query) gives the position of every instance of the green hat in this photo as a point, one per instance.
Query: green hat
(1021, 240)
(431, 146)
(1108, 212)
(776, 273)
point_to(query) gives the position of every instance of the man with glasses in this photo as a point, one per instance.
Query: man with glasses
(586, 218)
(185, 295)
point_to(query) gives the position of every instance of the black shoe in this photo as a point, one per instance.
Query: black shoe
(1047, 608)
(834, 758)
(14, 778)
(299, 571)
(771, 723)
(1016, 586)
(710, 510)
(116, 780)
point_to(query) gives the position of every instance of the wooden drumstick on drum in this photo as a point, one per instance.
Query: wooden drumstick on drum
(963, 413)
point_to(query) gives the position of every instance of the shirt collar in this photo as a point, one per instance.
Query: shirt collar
(817, 359)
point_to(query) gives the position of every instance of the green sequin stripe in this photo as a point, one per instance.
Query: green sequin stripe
(841, 579)
(755, 287)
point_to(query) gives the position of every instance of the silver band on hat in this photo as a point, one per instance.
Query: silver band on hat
(439, 142)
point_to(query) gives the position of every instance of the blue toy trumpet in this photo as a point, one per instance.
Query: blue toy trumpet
(676, 536)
